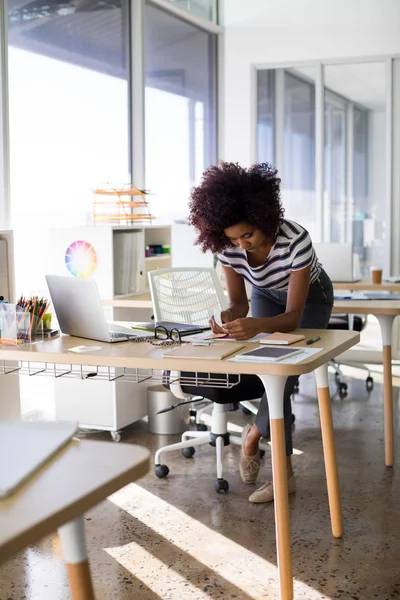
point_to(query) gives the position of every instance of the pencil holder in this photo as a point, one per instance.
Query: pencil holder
(14, 325)
(18, 326)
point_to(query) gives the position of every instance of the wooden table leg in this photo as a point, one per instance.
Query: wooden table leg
(274, 386)
(72, 536)
(328, 441)
(386, 322)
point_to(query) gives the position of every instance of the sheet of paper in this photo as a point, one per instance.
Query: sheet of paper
(256, 338)
(221, 337)
(217, 317)
(306, 353)
(81, 349)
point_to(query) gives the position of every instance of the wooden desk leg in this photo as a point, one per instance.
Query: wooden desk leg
(328, 441)
(72, 536)
(386, 322)
(274, 386)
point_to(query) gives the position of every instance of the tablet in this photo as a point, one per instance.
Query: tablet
(269, 354)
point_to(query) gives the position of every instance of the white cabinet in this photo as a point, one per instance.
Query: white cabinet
(116, 258)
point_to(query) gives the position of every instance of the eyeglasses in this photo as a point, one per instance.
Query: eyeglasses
(162, 337)
(167, 337)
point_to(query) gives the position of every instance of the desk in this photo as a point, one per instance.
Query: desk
(142, 356)
(139, 301)
(80, 476)
(385, 311)
(367, 285)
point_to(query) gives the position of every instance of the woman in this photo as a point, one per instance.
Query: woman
(238, 214)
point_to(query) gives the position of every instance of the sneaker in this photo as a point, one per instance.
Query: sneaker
(266, 492)
(249, 466)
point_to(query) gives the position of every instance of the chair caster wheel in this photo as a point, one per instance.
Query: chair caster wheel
(342, 390)
(188, 452)
(161, 471)
(337, 377)
(201, 427)
(116, 436)
(262, 453)
(293, 418)
(369, 384)
(221, 485)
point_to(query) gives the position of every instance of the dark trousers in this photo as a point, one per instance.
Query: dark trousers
(316, 315)
(270, 303)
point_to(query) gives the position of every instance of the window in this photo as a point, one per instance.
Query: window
(180, 103)
(351, 191)
(360, 180)
(206, 9)
(69, 127)
(266, 116)
(335, 168)
(299, 151)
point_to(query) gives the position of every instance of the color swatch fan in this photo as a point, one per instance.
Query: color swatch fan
(81, 259)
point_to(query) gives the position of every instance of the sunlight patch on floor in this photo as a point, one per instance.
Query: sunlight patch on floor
(216, 556)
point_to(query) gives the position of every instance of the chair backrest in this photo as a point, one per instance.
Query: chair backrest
(186, 295)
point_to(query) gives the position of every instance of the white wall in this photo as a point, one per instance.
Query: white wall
(262, 32)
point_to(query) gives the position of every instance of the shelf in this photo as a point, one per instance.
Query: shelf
(101, 373)
(131, 296)
(156, 257)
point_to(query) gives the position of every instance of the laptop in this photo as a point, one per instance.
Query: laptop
(28, 446)
(80, 313)
(339, 262)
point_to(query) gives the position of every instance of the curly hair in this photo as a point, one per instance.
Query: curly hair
(230, 194)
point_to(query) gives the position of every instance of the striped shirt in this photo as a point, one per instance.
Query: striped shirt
(292, 250)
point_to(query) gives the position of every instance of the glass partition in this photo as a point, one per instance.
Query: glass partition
(355, 159)
(354, 205)
(205, 9)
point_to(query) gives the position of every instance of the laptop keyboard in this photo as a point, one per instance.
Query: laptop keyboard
(118, 336)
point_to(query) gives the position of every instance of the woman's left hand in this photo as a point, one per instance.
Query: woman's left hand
(243, 329)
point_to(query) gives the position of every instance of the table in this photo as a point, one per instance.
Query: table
(77, 478)
(134, 301)
(141, 356)
(367, 285)
(385, 311)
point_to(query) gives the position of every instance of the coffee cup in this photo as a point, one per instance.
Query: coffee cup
(376, 275)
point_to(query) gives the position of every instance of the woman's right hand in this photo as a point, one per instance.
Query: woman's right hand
(226, 317)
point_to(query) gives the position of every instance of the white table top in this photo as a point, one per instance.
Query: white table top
(367, 285)
(77, 478)
(367, 307)
(145, 356)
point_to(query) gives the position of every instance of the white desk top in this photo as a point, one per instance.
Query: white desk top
(367, 307)
(80, 476)
(145, 356)
(367, 285)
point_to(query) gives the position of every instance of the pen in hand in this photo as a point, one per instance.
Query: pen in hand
(312, 340)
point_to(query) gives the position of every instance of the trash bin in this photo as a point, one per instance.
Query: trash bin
(174, 421)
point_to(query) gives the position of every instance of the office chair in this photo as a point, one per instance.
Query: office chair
(191, 295)
(356, 323)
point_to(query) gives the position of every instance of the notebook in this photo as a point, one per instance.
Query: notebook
(28, 446)
(212, 352)
(183, 328)
(268, 354)
(282, 338)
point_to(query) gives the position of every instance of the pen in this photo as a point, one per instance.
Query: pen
(312, 340)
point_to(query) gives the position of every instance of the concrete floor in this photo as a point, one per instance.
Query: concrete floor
(176, 539)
